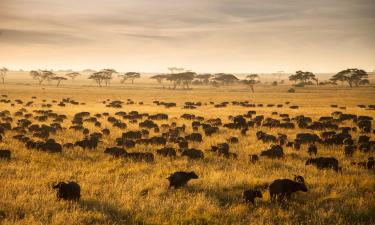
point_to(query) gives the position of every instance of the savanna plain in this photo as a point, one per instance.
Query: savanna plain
(121, 191)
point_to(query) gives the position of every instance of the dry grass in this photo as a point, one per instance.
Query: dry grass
(111, 187)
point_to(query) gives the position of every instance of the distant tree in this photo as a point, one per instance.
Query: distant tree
(225, 78)
(129, 76)
(160, 77)
(72, 75)
(107, 75)
(274, 83)
(103, 76)
(181, 79)
(98, 77)
(42, 75)
(303, 77)
(3, 72)
(204, 78)
(351, 76)
(251, 80)
(58, 79)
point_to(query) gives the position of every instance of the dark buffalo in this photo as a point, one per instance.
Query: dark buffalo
(179, 179)
(281, 188)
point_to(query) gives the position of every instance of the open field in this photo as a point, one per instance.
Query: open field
(120, 191)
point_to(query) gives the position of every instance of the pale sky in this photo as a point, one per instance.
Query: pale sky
(201, 35)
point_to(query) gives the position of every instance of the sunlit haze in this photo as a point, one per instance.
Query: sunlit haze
(201, 35)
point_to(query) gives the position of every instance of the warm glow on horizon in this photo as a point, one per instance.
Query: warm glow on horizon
(204, 36)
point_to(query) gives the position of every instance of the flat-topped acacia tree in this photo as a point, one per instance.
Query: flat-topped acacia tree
(351, 76)
(251, 80)
(58, 79)
(129, 76)
(72, 75)
(42, 75)
(181, 79)
(104, 75)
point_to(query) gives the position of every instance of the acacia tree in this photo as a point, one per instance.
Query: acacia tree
(72, 75)
(58, 79)
(160, 77)
(251, 80)
(204, 78)
(225, 78)
(183, 79)
(42, 75)
(98, 77)
(129, 76)
(351, 76)
(104, 75)
(303, 77)
(107, 75)
(3, 72)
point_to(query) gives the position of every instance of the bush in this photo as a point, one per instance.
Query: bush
(299, 85)
(291, 90)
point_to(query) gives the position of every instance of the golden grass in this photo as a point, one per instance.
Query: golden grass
(111, 188)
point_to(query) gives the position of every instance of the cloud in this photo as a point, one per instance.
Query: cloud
(29, 37)
(226, 31)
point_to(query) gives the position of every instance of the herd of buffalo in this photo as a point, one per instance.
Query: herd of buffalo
(36, 128)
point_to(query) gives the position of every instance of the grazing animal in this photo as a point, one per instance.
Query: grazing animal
(324, 163)
(250, 195)
(5, 154)
(68, 191)
(166, 152)
(281, 188)
(115, 151)
(312, 149)
(275, 151)
(179, 179)
(193, 153)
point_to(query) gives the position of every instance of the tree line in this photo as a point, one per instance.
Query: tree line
(185, 79)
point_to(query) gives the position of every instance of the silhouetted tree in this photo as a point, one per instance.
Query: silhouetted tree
(225, 78)
(181, 79)
(129, 76)
(42, 75)
(204, 78)
(303, 77)
(160, 77)
(351, 76)
(251, 80)
(72, 75)
(104, 75)
(58, 79)
(3, 72)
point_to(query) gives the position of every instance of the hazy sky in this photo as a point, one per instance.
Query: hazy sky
(202, 35)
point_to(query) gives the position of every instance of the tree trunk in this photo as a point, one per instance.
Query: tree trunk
(58, 83)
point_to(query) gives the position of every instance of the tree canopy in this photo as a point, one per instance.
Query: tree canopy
(225, 78)
(160, 77)
(304, 77)
(181, 79)
(104, 75)
(42, 75)
(129, 76)
(251, 80)
(351, 76)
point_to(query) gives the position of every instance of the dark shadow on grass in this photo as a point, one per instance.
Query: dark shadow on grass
(114, 214)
